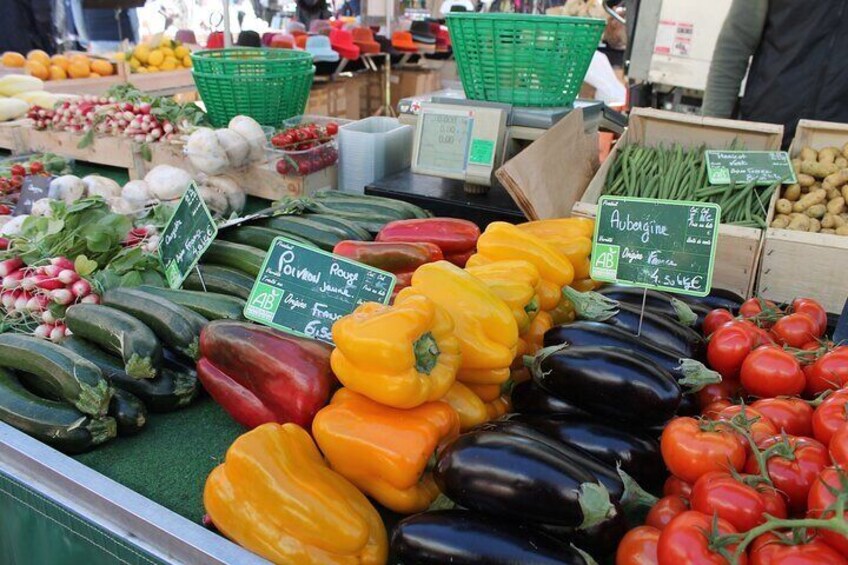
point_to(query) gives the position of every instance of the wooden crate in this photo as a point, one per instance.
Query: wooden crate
(739, 248)
(164, 83)
(11, 135)
(263, 181)
(798, 264)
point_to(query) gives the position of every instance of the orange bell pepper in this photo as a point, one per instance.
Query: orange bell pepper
(535, 335)
(467, 405)
(385, 451)
(498, 407)
(486, 393)
(275, 496)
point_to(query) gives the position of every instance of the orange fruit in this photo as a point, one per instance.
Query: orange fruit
(102, 68)
(93, 75)
(79, 69)
(40, 56)
(79, 58)
(57, 73)
(36, 69)
(60, 61)
(13, 59)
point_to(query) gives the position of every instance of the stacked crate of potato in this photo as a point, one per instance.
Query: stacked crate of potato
(817, 202)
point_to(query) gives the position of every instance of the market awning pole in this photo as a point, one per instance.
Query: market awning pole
(228, 40)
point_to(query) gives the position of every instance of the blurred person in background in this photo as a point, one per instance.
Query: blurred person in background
(797, 69)
(28, 25)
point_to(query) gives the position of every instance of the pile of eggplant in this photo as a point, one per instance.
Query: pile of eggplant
(550, 482)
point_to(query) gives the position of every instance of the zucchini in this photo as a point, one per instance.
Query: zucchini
(353, 230)
(119, 333)
(129, 413)
(259, 237)
(245, 258)
(210, 305)
(410, 208)
(60, 373)
(325, 237)
(220, 279)
(371, 223)
(176, 326)
(57, 424)
(167, 392)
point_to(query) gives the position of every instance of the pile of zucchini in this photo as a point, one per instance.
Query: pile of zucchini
(131, 354)
(233, 261)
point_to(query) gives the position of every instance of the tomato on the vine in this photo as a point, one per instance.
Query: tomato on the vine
(665, 510)
(795, 330)
(760, 427)
(814, 310)
(830, 415)
(829, 372)
(676, 486)
(690, 451)
(638, 547)
(790, 414)
(769, 371)
(712, 410)
(769, 549)
(753, 307)
(36, 167)
(821, 497)
(715, 319)
(838, 446)
(729, 346)
(727, 389)
(719, 493)
(686, 540)
(793, 477)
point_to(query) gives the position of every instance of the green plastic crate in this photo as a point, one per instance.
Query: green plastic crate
(269, 85)
(524, 60)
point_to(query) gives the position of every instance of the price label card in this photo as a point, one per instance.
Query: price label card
(742, 167)
(33, 188)
(188, 234)
(303, 290)
(659, 244)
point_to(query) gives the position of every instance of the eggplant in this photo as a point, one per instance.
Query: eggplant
(460, 537)
(529, 398)
(586, 333)
(608, 382)
(717, 298)
(688, 406)
(688, 314)
(648, 326)
(637, 453)
(513, 476)
(602, 472)
(600, 541)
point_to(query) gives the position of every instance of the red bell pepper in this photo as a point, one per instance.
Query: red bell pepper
(452, 235)
(460, 259)
(259, 375)
(397, 258)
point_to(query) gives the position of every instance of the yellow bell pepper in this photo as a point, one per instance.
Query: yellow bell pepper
(402, 355)
(547, 292)
(515, 288)
(484, 325)
(484, 376)
(560, 228)
(385, 451)
(585, 285)
(498, 407)
(505, 241)
(275, 496)
(534, 337)
(486, 393)
(467, 405)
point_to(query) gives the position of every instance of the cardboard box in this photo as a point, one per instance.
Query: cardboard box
(796, 264)
(338, 98)
(739, 248)
(414, 82)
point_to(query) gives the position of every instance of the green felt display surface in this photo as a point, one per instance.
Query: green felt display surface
(169, 460)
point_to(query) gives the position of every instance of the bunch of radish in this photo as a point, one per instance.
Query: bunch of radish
(145, 236)
(28, 293)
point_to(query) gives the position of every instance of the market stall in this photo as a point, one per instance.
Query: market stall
(259, 332)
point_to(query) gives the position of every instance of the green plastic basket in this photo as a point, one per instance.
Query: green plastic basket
(269, 85)
(525, 60)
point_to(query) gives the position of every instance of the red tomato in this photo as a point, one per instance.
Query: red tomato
(332, 128)
(838, 446)
(5, 210)
(773, 500)
(715, 319)
(719, 493)
(821, 497)
(795, 330)
(665, 510)
(814, 310)
(729, 346)
(830, 372)
(769, 549)
(689, 451)
(711, 411)
(830, 415)
(676, 486)
(727, 389)
(769, 371)
(791, 415)
(793, 477)
(760, 429)
(18, 170)
(685, 541)
(755, 306)
(638, 547)
(36, 167)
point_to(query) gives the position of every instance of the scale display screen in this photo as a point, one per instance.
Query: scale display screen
(444, 142)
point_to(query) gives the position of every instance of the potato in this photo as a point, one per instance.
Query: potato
(832, 193)
(829, 221)
(827, 230)
(796, 164)
(806, 180)
(839, 221)
(818, 170)
(843, 230)
(837, 179)
(815, 226)
(811, 199)
(829, 154)
(809, 154)
(780, 222)
(816, 211)
(799, 223)
(836, 206)
(792, 192)
(841, 162)
(845, 193)
(784, 206)
(805, 189)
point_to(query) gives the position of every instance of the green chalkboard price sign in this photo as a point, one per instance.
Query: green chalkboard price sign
(659, 244)
(189, 232)
(302, 290)
(742, 167)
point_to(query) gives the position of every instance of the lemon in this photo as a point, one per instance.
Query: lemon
(135, 64)
(152, 69)
(142, 70)
(120, 56)
(142, 52)
(167, 51)
(156, 57)
(187, 61)
(169, 64)
(165, 42)
(180, 52)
